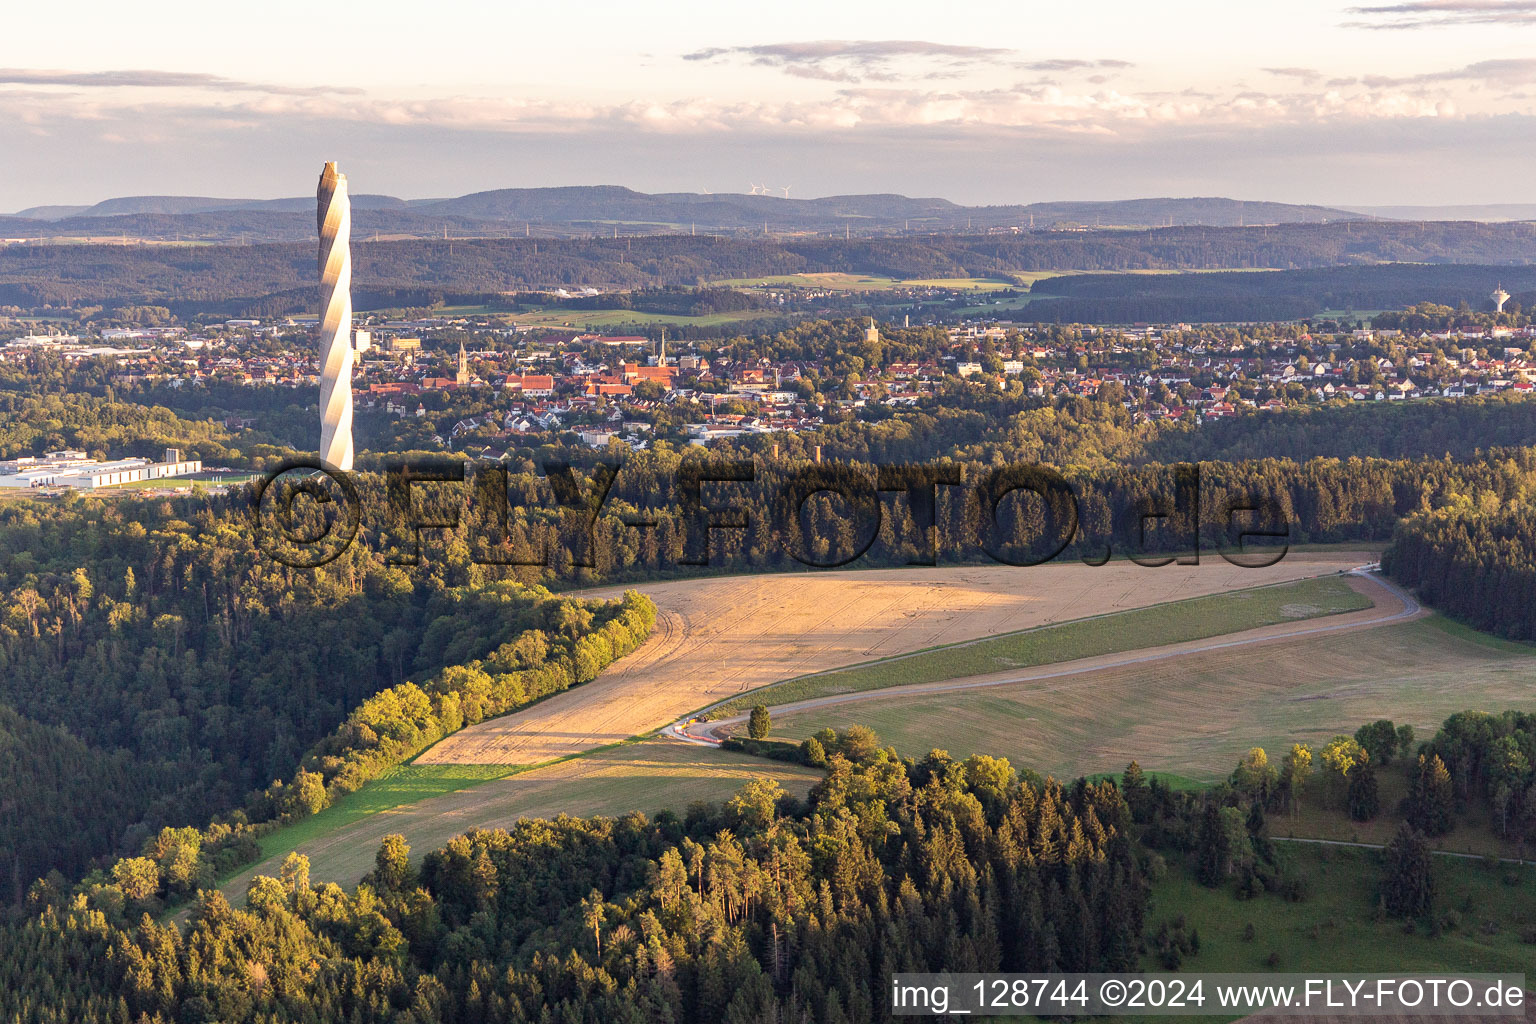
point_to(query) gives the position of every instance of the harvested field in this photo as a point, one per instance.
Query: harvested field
(1198, 713)
(1176, 622)
(648, 776)
(717, 638)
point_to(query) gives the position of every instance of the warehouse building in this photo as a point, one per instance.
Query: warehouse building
(75, 469)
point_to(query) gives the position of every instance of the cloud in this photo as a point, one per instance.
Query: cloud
(852, 61)
(1437, 13)
(1074, 65)
(1043, 106)
(1508, 73)
(860, 60)
(1303, 74)
(1057, 98)
(138, 79)
(859, 50)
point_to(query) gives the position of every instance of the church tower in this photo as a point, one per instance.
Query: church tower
(872, 333)
(463, 374)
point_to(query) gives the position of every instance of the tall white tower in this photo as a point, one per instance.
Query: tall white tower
(333, 216)
(1499, 297)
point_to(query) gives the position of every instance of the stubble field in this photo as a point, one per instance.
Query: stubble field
(718, 638)
(1195, 715)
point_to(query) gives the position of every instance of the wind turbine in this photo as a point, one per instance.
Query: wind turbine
(785, 189)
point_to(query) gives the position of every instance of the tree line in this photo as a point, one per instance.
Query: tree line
(763, 906)
(189, 279)
(643, 518)
(1473, 560)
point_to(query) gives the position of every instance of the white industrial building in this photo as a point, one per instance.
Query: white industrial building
(76, 469)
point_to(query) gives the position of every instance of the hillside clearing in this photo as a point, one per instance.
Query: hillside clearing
(718, 638)
(646, 776)
(1335, 928)
(1175, 622)
(1196, 715)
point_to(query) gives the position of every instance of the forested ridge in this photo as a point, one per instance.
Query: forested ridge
(645, 525)
(766, 907)
(189, 278)
(157, 632)
(1291, 294)
(109, 428)
(757, 908)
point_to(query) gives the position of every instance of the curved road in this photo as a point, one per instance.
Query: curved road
(691, 730)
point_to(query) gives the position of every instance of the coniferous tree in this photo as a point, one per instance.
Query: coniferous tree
(1431, 804)
(1213, 853)
(1408, 883)
(1363, 797)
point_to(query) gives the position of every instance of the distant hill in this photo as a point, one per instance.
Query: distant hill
(603, 209)
(50, 212)
(129, 206)
(1482, 212)
(1213, 211)
(612, 203)
(161, 204)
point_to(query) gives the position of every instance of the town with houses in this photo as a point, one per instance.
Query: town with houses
(606, 388)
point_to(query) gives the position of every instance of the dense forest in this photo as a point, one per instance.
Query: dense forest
(1282, 295)
(221, 278)
(668, 513)
(1475, 561)
(1335, 473)
(1332, 473)
(760, 908)
(109, 428)
(157, 632)
(765, 908)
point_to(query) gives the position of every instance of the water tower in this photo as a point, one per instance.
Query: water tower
(1499, 297)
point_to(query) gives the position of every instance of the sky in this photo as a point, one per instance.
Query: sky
(1338, 102)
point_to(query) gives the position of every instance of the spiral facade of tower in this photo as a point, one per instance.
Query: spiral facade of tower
(333, 216)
